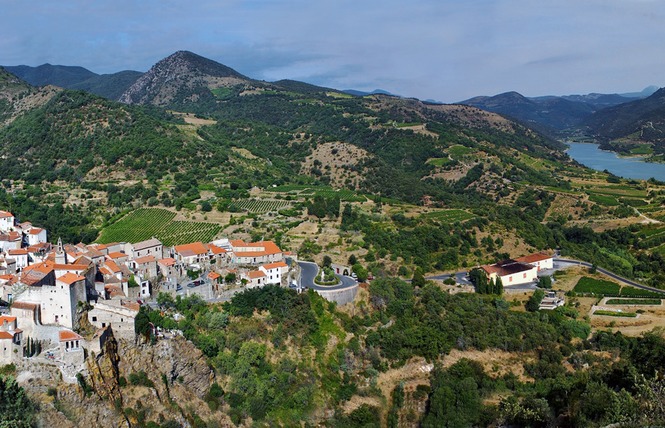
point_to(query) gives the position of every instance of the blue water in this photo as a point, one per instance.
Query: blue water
(591, 156)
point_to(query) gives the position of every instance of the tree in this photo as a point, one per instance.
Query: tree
(353, 259)
(545, 282)
(534, 301)
(230, 278)
(327, 261)
(142, 325)
(498, 286)
(16, 409)
(418, 278)
(360, 272)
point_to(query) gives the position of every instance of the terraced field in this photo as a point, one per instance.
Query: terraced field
(448, 216)
(260, 206)
(144, 223)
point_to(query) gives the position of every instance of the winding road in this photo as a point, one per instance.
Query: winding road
(309, 270)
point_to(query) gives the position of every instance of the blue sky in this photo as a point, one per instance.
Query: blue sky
(431, 49)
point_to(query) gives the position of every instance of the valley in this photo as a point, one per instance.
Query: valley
(212, 169)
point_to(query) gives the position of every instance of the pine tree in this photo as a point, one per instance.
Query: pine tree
(498, 286)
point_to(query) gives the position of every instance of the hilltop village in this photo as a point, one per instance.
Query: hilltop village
(49, 286)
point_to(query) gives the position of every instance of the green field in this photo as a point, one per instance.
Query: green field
(642, 149)
(615, 314)
(603, 199)
(144, 223)
(596, 287)
(260, 206)
(458, 151)
(344, 195)
(599, 287)
(633, 302)
(439, 162)
(448, 216)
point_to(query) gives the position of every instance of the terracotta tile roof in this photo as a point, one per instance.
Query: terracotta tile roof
(18, 252)
(193, 249)
(256, 274)
(145, 259)
(214, 275)
(214, 249)
(67, 335)
(262, 248)
(153, 242)
(6, 214)
(130, 305)
(114, 291)
(533, 258)
(6, 335)
(70, 278)
(275, 265)
(7, 319)
(117, 255)
(35, 231)
(167, 261)
(112, 266)
(25, 305)
(507, 267)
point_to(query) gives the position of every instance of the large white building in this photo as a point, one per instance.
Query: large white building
(6, 221)
(255, 253)
(511, 272)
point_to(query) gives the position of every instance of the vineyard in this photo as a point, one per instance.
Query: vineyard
(448, 216)
(144, 223)
(260, 206)
(344, 195)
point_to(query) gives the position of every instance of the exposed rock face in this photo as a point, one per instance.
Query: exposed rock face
(104, 372)
(180, 77)
(177, 358)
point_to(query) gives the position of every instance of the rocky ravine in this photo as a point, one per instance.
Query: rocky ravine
(178, 371)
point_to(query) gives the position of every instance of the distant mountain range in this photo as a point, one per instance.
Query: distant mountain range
(186, 79)
(110, 86)
(552, 114)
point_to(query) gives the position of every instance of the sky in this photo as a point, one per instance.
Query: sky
(445, 50)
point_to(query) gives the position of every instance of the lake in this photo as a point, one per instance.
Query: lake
(588, 154)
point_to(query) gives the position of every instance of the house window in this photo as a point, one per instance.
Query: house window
(510, 279)
(103, 324)
(524, 275)
(94, 319)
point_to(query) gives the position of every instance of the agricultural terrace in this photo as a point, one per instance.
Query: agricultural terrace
(447, 216)
(587, 286)
(345, 195)
(260, 206)
(144, 223)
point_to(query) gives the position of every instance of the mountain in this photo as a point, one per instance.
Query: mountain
(364, 93)
(184, 78)
(546, 114)
(109, 86)
(47, 74)
(646, 92)
(640, 121)
(17, 97)
(600, 101)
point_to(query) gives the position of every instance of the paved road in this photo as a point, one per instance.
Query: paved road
(309, 270)
(460, 277)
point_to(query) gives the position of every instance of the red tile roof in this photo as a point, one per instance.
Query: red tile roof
(275, 265)
(117, 255)
(145, 259)
(193, 249)
(25, 305)
(214, 275)
(70, 278)
(6, 214)
(5, 335)
(167, 261)
(255, 274)
(67, 335)
(533, 258)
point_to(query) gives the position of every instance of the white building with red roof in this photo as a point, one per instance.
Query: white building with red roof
(10, 340)
(511, 272)
(274, 272)
(255, 253)
(21, 257)
(36, 235)
(6, 221)
(540, 260)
